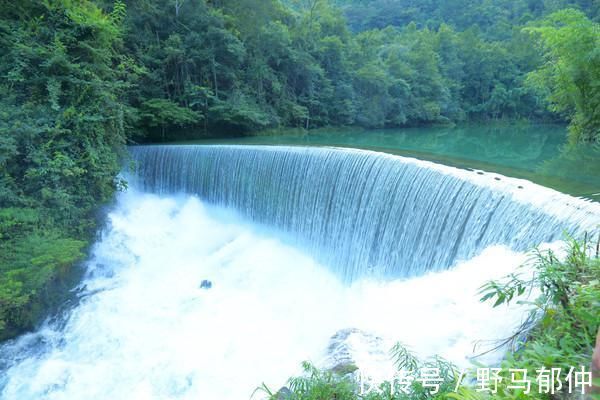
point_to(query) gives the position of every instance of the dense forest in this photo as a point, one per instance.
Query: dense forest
(81, 78)
(239, 66)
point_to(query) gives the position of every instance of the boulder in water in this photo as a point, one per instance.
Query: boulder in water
(350, 349)
(205, 284)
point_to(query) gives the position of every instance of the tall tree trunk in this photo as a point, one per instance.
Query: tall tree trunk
(178, 4)
(214, 70)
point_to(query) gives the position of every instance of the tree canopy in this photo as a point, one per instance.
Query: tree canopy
(570, 77)
(247, 65)
(62, 130)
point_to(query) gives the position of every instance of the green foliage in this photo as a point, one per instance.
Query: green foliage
(569, 291)
(252, 65)
(570, 76)
(29, 267)
(167, 70)
(563, 325)
(316, 384)
(320, 385)
(164, 113)
(493, 18)
(62, 130)
(33, 256)
(313, 385)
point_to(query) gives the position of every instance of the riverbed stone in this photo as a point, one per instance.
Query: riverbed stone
(350, 349)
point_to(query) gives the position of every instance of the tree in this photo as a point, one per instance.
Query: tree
(570, 78)
(162, 113)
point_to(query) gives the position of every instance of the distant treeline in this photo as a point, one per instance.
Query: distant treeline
(235, 66)
(78, 78)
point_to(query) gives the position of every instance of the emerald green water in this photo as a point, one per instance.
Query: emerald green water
(535, 152)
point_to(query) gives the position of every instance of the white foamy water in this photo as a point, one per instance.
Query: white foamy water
(144, 329)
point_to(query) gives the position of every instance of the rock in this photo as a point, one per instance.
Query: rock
(351, 349)
(205, 284)
(283, 394)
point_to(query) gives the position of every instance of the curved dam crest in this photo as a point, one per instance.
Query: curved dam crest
(365, 213)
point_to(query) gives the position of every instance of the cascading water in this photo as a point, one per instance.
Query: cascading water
(330, 221)
(366, 213)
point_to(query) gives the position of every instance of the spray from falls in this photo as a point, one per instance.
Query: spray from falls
(146, 329)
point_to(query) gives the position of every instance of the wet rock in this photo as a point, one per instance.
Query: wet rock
(350, 349)
(205, 284)
(283, 394)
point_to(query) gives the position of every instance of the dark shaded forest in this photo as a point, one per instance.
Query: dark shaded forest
(79, 79)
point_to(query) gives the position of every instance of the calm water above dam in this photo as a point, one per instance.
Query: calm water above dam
(535, 152)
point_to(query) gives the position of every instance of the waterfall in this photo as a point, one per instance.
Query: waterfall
(364, 213)
(273, 229)
(145, 327)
